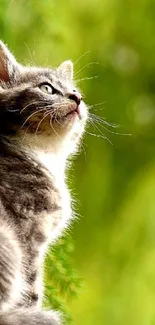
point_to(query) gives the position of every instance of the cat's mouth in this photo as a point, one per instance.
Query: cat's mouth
(74, 112)
(70, 112)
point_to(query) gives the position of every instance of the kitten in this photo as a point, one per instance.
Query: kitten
(42, 118)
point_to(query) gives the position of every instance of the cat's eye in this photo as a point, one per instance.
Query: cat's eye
(46, 88)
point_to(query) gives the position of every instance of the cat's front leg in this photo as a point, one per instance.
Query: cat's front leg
(30, 316)
(33, 295)
(11, 282)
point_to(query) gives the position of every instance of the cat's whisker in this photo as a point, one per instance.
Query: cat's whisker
(27, 129)
(53, 113)
(85, 66)
(102, 126)
(99, 136)
(81, 57)
(101, 123)
(64, 102)
(102, 120)
(87, 78)
(53, 116)
(34, 62)
(26, 107)
(112, 132)
(96, 104)
(34, 113)
(84, 151)
(54, 129)
(102, 135)
(59, 122)
(30, 104)
(96, 109)
(46, 114)
(55, 110)
(43, 102)
(13, 110)
(56, 105)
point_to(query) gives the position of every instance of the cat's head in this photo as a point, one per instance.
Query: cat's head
(40, 106)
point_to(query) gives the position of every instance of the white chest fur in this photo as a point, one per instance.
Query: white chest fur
(59, 220)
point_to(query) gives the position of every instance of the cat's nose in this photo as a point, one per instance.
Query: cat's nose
(76, 96)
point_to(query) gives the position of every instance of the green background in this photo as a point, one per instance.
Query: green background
(114, 184)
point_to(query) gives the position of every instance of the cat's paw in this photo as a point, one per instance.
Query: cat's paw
(44, 317)
(51, 318)
(31, 316)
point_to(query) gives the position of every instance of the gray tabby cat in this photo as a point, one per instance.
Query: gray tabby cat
(42, 117)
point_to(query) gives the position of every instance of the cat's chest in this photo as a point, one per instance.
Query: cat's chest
(44, 224)
(57, 219)
(51, 222)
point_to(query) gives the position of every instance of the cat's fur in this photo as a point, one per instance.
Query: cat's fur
(38, 131)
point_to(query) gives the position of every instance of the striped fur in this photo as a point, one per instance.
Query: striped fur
(37, 134)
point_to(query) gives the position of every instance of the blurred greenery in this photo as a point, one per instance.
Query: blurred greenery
(115, 235)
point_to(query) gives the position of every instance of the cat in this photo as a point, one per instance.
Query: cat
(42, 119)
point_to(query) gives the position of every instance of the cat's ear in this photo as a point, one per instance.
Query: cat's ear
(66, 68)
(9, 68)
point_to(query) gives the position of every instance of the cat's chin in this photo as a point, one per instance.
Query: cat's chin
(70, 128)
(59, 136)
(73, 117)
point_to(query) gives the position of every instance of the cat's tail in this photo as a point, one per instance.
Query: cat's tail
(30, 316)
